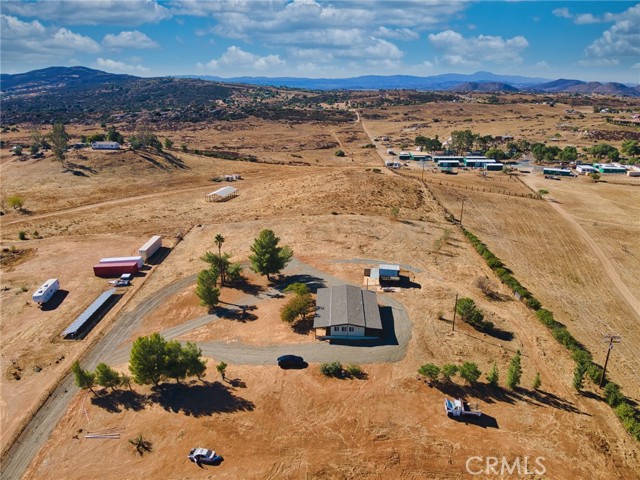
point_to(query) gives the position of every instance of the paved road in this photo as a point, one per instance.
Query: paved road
(110, 349)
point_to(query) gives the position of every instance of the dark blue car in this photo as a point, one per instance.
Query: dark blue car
(291, 361)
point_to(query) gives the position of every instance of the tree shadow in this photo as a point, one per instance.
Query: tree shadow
(199, 400)
(246, 287)
(404, 282)
(500, 334)
(303, 327)
(117, 400)
(242, 313)
(236, 383)
(175, 161)
(55, 301)
(311, 281)
(80, 169)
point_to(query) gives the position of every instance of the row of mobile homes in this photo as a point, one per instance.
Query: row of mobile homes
(405, 156)
(46, 291)
(448, 165)
(105, 145)
(448, 158)
(561, 172)
(148, 249)
(477, 162)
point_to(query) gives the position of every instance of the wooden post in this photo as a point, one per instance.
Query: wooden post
(612, 339)
(453, 326)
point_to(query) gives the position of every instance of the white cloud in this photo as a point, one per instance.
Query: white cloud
(599, 62)
(31, 42)
(562, 12)
(586, 19)
(91, 12)
(621, 40)
(237, 60)
(470, 51)
(542, 64)
(116, 66)
(397, 33)
(134, 39)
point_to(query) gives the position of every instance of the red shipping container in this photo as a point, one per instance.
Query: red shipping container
(115, 269)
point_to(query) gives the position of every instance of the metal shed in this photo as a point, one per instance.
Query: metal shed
(222, 194)
(87, 319)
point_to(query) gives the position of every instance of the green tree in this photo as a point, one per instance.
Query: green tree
(537, 381)
(168, 143)
(114, 136)
(268, 258)
(298, 288)
(206, 288)
(125, 380)
(495, 153)
(297, 308)
(462, 140)
(16, 202)
(470, 314)
(612, 394)
(340, 153)
(448, 371)
(83, 378)
(144, 139)
(175, 364)
(222, 369)
(148, 362)
(430, 370)
(631, 148)
(17, 150)
(219, 265)
(106, 376)
(542, 192)
(470, 372)
(59, 140)
(219, 239)
(192, 358)
(332, 369)
(96, 137)
(514, 372)
(569, 154)
(493, 376)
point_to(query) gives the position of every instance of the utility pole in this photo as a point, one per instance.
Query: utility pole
(422, 178)
(455, 307)
(461, 211)
(612, 339)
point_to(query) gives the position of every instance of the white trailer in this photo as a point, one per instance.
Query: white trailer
(138, 260)
(46, 291)
(148, 249)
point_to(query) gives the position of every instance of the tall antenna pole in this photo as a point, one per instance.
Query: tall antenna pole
(455, 307)
(612, 339)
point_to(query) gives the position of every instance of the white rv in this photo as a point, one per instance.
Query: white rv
(46, 291)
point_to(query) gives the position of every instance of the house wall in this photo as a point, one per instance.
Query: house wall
(348, 330)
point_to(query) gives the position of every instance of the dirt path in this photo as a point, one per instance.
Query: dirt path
(608, 267)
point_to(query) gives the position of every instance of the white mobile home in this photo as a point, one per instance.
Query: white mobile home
(46, 291)
(585, 169)
(105, 145)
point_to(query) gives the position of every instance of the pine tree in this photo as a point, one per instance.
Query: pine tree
(493, 376)
(148, 362)
(448, 371)
(514, 373)
(206, 288)
(537, 381)
(83, 378)
(106, 376)
(267, 257)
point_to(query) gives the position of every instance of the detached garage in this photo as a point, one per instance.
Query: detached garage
(346, 312)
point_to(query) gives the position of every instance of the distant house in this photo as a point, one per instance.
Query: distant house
(222, 194)
(346, 312)
(105, 145)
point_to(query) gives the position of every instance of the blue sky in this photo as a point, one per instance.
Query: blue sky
(587, 40)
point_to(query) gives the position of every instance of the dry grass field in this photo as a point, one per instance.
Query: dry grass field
(336, 214)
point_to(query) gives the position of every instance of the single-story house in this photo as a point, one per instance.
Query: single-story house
(346, 312)
(222, 194)
(105, 145)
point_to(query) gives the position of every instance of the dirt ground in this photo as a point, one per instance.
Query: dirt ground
(270, 423)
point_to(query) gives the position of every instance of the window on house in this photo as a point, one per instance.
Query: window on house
(344, 329)
(351, 329)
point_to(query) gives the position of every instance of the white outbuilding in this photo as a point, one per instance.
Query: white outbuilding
(222, 194)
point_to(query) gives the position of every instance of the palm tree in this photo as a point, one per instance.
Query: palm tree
(219, 241)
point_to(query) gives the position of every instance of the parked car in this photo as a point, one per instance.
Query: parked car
(203, 455)
(291, 361)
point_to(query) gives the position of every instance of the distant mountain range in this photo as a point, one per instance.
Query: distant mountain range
(57, 77)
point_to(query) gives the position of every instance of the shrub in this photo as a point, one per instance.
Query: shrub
(448, 371)
(594, 372)
(22, 235)
(514, 373)
(563, 336)
(355, 371)
(546, 317)
(470, 372)
(470, 314)
(493, 376)
(612, 394)
(533, 303)
(537, 381)
(340, 153)
(332, 369)
(430, 371)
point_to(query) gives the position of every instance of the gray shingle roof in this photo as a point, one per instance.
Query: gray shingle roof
(347, 305)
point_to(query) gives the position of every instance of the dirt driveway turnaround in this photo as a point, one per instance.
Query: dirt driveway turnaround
(392, 348)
